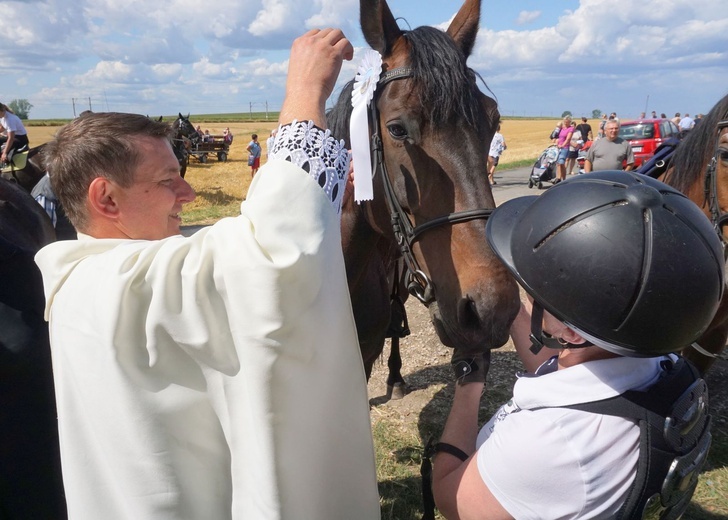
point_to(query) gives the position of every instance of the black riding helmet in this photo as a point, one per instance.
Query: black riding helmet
(628, 262)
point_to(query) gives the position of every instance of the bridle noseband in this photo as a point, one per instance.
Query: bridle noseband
(418, 283)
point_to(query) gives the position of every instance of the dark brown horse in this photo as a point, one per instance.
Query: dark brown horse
(700, 170)
(30, 475)
(433, 128)
(30, 174)
(185, 134)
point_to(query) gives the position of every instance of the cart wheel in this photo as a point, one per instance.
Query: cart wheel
(222, 156)
(203, 158)
(530, 183)
(540, 185)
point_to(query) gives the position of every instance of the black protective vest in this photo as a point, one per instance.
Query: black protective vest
(674, 440)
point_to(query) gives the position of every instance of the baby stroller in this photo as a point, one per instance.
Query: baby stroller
(581, 158)
(544, 169)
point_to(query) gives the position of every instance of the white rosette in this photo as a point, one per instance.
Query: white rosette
(365, 83)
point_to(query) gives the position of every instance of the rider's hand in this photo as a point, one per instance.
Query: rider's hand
(469, 366)
(313, 68)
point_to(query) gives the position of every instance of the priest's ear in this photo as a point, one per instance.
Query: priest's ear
(102, 199)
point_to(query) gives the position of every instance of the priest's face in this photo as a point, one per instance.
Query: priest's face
(150, 209)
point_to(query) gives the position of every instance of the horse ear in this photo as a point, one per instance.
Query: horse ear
(378, 25)
(464, 27)
(180, 115)
(160, 119)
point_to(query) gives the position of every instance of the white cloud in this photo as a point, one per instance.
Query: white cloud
(526, 17)
(235, 51)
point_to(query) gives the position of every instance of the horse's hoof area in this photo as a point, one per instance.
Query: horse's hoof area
(398, 391)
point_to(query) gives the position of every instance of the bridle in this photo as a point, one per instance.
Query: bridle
(718, 217)
(418, 283)
(193, 136)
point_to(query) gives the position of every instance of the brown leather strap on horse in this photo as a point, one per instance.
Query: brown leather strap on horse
(719, 217)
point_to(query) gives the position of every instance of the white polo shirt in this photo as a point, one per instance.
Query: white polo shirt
(558, 463)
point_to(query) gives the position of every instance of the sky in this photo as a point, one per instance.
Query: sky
(538, 57)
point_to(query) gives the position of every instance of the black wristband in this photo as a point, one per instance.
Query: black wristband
(447, 448)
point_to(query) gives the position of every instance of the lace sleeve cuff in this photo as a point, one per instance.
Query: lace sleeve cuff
(318, 153)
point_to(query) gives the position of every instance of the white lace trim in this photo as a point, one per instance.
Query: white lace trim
(317, 152)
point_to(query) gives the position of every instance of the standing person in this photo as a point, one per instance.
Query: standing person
(686, 123)
(194, 375)
(15, 134)
(253, 149)
(676, 119)
(575, 145)
(585, 130)
(602, 124)
(653, 115)
(227, 136)
(610, 153)
(269, 144)
(497, 147)
(575, 441)
(563, 143)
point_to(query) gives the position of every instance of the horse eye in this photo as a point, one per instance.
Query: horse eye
(723, 154)
(397, 131)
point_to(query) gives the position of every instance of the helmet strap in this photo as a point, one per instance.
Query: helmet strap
(538, 338)
(541, 339)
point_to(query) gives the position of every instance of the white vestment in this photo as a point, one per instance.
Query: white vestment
(216, 376)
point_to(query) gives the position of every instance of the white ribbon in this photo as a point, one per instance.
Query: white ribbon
(365, 83)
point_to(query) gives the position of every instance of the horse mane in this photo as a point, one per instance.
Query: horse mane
(443, 82)
(696, 149)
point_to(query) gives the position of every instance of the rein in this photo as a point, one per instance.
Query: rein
(406, 235)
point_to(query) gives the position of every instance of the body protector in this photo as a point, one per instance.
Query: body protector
(629, 263)
(674, 440)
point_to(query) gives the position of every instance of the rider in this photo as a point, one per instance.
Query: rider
(16, 134)
(591, 254)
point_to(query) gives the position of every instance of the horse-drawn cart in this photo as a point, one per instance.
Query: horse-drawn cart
(217, 146)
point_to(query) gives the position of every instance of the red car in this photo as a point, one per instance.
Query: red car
(645, 135)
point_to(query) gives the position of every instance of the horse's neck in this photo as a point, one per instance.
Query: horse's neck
(365, 247)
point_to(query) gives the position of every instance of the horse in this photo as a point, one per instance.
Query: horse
(698, 168)
(185, 134)
(30, 483)
(29, 174)
(431, 126)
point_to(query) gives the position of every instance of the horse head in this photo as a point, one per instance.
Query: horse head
(699, 169)
(435, 127)
(700, 166)
(184, 128)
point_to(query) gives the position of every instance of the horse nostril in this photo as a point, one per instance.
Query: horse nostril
(468, 313)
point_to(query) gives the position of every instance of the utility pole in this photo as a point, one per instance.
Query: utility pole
(89, 105)
(250, 108)
(266, 110)
(73, 101)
